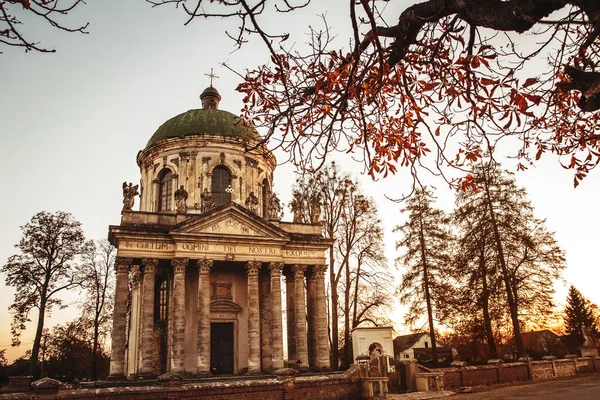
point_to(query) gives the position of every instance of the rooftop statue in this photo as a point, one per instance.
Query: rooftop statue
(129, 193)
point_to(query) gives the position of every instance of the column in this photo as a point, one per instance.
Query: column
(300, 314)
(147, 342)
(266, 359)
(252, 268)
(311, 291)
(178, 349)
(134, 329)
(203, 349)
(290, 288)
(322, 356)
(119, 330)
(276, 315)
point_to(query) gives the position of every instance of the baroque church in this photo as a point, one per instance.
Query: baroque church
(206, 267)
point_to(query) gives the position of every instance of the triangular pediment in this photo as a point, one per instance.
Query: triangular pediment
(229, 220)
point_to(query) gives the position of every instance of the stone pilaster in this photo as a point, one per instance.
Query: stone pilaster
(252, 268)
(265, 322)
(322, 356)
(290, 288)
(119, 330)
(178, 349)
(276, 315)
(147, 342)
(300, 314)
(203, 349)
(311, 292)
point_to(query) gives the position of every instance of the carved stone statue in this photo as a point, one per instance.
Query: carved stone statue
(181, 196)
(296, 206)
(129, 193)
(207, 201)
(274, 207)
(587, 337)
(252, 203)
(315, 209)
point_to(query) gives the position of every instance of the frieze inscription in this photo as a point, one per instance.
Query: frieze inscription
(146, 245)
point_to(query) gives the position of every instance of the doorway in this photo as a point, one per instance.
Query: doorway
(221, 347)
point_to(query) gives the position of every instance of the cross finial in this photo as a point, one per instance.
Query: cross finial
(211, 76)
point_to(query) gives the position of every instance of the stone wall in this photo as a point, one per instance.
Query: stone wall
(513, 372)
(318, 387)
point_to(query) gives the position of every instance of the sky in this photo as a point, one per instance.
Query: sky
(72, 122)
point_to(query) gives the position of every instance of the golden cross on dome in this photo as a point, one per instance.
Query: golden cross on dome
(211, 76)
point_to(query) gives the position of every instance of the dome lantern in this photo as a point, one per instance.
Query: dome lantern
(210, 98)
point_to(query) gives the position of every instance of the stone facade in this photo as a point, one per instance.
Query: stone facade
(199, 272)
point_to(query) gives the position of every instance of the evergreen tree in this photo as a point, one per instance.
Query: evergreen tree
(578, 313)
(510, 247)
(426, 243)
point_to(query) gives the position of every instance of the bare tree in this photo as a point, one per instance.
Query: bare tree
(13, 13)
(356, 259)
(50, 262)
(99, 287)
(431, 85)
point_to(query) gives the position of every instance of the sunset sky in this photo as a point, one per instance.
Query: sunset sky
(71, 124)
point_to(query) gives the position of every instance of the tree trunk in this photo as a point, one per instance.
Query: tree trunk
(514, 314)
(35, 350)
(334, 313)
(95, 351)
(427, 295)
(355, 311)
(485, 304)
(347, 343)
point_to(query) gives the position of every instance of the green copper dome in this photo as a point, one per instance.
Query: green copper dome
(208, 120)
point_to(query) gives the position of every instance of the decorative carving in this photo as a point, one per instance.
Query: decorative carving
(225, 306)
(204, 266)
(230, 257)
(207, 201)
(299, 270)
(251, 162)
(222, 158)
(129, 193)
(222, 291)
(193, 154)
(122, 264)
(252, 203)
(184, 156)
(179, 265)
(147, 165)
(181, 196)
(150, 265)
(229, 189)
(274, 211)
(155, 167)
(175, 161)
(135, 276)
(238, 163)
(164, 161)
(252, 267)
(318, 270)
(205, 160)
(276, 268)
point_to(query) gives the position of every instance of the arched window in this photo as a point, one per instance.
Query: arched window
(266, 194)
(165, 190)
(221, 186)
